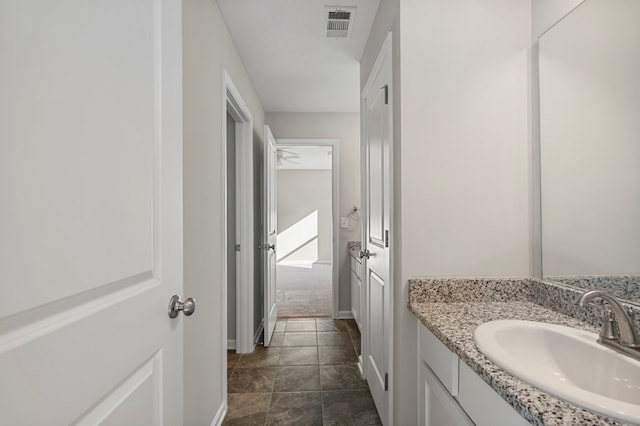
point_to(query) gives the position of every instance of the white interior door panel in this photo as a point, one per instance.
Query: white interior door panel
(271, 236)
(91, 217)
(377, 151)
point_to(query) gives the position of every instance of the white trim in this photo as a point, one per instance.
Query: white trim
(233, 104)
(303, 262)
(384, 60)
(388, 47)
(345, 315)
(259, 330)
(222, 411)
(335, 209)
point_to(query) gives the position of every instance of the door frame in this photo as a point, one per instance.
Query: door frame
(233, 104)
(383, 63)
(335, 220)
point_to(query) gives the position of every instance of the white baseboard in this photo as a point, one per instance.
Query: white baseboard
(345, 315)
(256, 336)
(231, 344)
(222, 411)
(360, 366)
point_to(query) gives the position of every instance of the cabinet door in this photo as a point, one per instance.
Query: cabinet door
(359, 294)
(355, 296)
(442, 362)
(437, 406)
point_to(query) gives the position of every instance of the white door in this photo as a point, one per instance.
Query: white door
(271, 234)
(377, 183)
(90, 212)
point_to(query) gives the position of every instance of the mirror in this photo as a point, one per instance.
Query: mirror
(589, 69)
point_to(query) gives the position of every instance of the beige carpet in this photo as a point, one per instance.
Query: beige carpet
(304, 292)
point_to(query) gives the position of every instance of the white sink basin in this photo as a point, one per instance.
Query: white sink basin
(566, 363)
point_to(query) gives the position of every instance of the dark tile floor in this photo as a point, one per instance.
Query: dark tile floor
(308, 376)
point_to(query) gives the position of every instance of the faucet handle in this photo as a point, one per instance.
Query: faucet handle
(609, 330)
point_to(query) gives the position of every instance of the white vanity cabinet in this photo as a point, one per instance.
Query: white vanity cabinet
(356, 287)
(450, 393)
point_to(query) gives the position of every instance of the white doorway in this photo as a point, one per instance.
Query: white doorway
(238, 204)
(231, 283)
(307, 228)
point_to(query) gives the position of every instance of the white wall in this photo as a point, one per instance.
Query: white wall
(346, 128)
(207, 49)
(300, 194)
(465, 137)
(463, 204)
(590, 104)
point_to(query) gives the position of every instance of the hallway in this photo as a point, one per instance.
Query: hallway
(309, 376)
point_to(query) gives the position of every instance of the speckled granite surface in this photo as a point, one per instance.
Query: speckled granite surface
(452, 308)
(622, 286)
(560, 298)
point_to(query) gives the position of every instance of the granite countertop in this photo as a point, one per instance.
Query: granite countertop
(445, 308)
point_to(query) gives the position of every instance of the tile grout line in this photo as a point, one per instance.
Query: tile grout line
(320, 383)
(350, 343)
(266, 419)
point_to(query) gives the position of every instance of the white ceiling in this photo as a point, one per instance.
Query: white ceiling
(293, 65)
(304, 158)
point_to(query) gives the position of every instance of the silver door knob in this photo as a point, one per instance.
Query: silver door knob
(366, 253)
(187, 307)
(270, 246)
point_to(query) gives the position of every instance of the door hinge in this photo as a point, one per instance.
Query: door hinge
(386, 93)
(237, 247)
(386, 381)
(386, 238)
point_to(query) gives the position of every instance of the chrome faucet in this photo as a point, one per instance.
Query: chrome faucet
(618, 330)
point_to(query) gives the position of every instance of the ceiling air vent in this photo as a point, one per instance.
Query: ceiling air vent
(340, 21)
